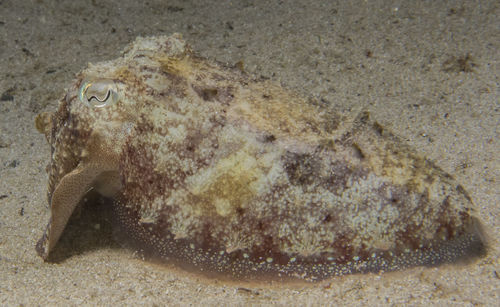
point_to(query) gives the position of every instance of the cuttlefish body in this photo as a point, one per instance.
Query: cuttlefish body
(210, 168)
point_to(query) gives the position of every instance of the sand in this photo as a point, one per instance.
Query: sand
(429, 71)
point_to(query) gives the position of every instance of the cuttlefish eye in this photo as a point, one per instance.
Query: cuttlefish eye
(98, 93)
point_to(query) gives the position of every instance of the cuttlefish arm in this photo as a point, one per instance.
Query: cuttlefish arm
(65, 198)
(98, 170)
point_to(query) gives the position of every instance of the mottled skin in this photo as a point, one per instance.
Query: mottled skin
(220, 172)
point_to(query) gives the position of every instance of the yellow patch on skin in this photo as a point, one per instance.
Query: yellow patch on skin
(182, 66)
(397, 164)
(229, 184)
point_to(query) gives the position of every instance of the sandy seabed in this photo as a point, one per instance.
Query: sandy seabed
(428, 71)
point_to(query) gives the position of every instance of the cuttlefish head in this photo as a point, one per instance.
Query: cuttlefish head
(86, 135)
(99, 114)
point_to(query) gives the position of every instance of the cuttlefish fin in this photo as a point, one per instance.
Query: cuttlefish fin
(67, 194)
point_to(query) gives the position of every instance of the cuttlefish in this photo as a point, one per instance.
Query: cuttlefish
(221, 172)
